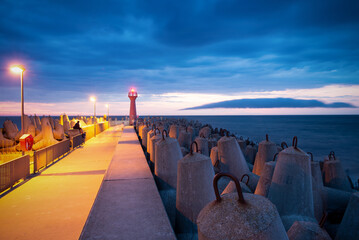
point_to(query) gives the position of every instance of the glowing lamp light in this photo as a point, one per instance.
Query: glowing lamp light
(17, 68)
(132, 90)
(106, 105)
(92, 99)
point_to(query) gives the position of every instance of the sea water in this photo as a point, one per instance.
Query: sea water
(316, 134)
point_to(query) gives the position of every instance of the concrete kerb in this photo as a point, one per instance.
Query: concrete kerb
(128, 200)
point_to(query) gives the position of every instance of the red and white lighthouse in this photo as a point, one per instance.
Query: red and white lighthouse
(132, 94)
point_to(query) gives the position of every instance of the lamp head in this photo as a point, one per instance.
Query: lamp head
(17, 68)
(92, 99)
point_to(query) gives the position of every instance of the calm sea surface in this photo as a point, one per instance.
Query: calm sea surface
(316, 134)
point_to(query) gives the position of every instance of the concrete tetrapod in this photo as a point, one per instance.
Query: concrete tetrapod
(194, 190)
(266, 152)
(10, 129)
(242, 144)
(265, 179)
(291, 187)
(46, 137)
(317, 187)
(349, 227)
(150, 134)
(184, 138)
(152, 143)
(145, 130)
(231, 157)
(215, 159)
(141, 126)
(174, 131)
(168, 153)
(231, 187)
(334, 175)
(250, 153)
(239, 216)
(307, 231)
(202, 145)
(4, 142)
(205, 132)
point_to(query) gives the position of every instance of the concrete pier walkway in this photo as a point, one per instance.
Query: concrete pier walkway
(56, 204)
(128, 205)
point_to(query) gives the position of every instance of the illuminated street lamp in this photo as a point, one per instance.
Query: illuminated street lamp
(20, 69)
(93, 99)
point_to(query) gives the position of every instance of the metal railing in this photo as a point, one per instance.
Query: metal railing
(13, 171)
(77, 141)
(47, 155)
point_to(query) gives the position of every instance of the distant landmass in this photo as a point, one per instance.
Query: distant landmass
(273, 103)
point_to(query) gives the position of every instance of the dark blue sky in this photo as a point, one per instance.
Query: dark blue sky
(77, 48)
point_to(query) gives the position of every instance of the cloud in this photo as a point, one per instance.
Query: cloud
(74, 48)
(273, 103)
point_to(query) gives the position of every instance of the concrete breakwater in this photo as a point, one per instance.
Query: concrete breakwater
(47, 131)
(282, 192)
(52, 140)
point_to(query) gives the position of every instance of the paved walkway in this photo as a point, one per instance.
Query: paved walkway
(128, 205)
(56, 204)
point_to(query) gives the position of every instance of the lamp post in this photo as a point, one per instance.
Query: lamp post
(108, 112)
(20, 69)
(93, 99)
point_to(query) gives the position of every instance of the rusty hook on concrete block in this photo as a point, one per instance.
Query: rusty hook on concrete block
(191, 150)
(295, 142)
(331, 155)
(163, 136)
(284, 144)
(311, 156)
(235, 180)
(245, 175)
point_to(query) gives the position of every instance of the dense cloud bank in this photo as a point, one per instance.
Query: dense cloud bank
(165, 46)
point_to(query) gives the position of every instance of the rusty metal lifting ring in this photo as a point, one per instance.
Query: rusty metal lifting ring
(235, 180)
(311, 156)
(331, 155)
(159, 131)
(191, 150)
(163, 136)
(153, 127)
(284, 144)
(274, 157)
(245, 175)
(267, 137)
(295, 142)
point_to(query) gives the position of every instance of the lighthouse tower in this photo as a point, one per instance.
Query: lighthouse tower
(132, 94)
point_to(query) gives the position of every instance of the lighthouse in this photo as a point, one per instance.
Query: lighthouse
(132, 95)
